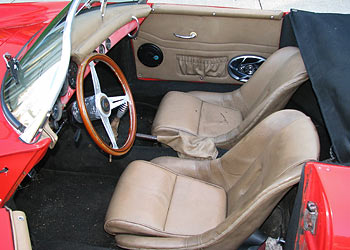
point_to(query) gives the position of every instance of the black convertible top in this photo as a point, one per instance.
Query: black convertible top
(324, 43)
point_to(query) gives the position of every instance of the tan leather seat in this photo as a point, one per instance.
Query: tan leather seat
(174, 203)
(195, 123)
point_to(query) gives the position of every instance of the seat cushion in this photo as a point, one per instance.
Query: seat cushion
(189, 124)
(184, 112)
(217, 120)
(177, 112)
(152, 200)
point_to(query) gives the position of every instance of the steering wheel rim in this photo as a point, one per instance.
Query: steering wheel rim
(84, 114)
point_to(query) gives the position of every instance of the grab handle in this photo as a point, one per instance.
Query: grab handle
(191, 36)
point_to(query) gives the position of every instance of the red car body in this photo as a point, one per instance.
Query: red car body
(18, 24)
(324, 184)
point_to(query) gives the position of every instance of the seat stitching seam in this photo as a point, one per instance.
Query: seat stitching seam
(121, 220)
(200, 116)
(223, 172)
(171, 199)
(182, 175)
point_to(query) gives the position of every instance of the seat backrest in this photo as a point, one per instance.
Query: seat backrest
(267, 91)
(261, 168)
(283, 69)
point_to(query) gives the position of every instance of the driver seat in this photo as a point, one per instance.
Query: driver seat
(197, 122)
(174, 203)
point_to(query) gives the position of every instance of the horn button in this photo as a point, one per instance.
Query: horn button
(105, 106)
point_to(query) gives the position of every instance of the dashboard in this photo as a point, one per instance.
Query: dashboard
(118, 22)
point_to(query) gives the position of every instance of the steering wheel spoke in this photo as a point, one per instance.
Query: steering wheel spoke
(109, 130)
(95, 80)
(117, 101)
(105, 105)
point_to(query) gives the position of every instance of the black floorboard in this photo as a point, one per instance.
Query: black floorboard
(86, 157)
(67, 206)
(68, 245)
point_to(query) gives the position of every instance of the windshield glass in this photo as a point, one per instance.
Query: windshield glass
(23, 97)
(40, 73)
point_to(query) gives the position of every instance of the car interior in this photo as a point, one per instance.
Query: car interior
(225, 120)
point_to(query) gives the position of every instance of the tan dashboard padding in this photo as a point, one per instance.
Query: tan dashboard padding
(227, 34)
(90, 30)
(214, 11)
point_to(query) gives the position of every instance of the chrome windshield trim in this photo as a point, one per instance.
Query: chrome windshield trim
(57, 82)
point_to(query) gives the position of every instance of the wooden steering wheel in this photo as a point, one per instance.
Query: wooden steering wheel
(105, 104)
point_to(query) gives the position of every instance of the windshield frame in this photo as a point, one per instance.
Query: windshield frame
(35, 128)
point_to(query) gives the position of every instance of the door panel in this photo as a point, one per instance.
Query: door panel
(221, 34)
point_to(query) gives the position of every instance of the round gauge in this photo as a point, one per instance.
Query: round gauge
(72, 74)
(101, 49)
(108, 44)
(56, 112)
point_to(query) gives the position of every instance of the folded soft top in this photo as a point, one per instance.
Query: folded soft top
(324, 42)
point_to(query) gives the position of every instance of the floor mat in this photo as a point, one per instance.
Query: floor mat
(67, 206)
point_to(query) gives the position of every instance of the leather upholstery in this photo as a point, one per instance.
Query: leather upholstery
(160, 207)
(193, 123)
(214, 204)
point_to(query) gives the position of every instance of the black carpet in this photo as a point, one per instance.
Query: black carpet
(59, 245)
(66, 206)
